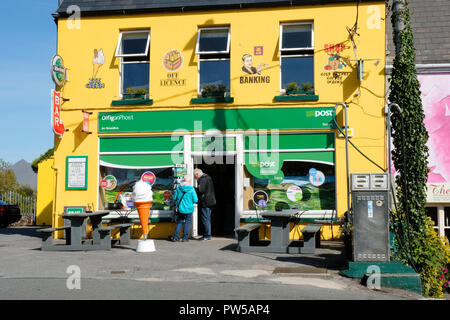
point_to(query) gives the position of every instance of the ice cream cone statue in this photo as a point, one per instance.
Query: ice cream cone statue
(98, 61)
(143, 198)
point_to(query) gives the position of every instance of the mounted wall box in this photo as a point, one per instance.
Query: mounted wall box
(370, 196)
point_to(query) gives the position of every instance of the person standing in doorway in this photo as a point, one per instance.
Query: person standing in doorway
(207, 199)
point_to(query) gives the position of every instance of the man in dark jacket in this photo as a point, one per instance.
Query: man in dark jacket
(206, 198)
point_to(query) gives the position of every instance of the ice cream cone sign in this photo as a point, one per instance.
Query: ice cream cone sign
(98, 61)
(143, 198)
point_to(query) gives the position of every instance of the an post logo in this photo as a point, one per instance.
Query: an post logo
(323, 113)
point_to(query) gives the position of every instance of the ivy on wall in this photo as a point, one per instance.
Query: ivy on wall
(421, 247)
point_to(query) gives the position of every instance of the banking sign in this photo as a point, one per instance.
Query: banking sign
(220, 119)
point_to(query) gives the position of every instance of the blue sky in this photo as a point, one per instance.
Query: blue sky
(26, 48)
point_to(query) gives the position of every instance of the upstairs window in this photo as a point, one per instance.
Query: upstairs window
(213, 48)
(297, 54)
(133, 51)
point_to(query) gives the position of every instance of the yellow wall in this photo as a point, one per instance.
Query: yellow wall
(45, 193)
(249, 28)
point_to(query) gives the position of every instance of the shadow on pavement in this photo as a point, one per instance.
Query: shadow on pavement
(28, 231)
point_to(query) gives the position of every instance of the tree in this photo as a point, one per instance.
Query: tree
(421, 248)
(7, 177)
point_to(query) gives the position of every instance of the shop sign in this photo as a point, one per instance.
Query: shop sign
(57, 124)
(438, 192)
(260, 198)
(173, 60)
(58, 71)
(253, 74)
(236, 119)
(86, 122)
(148, 177)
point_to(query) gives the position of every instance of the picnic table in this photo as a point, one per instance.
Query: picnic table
(101, 236)
(248, 240)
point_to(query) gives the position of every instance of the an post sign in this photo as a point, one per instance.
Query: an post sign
(233, 119)
(57, 124)
(58, 71)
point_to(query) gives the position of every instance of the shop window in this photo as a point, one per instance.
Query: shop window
(297, 55)
(447, 222)
(133, 51)
(305, 186)
(432, 212)
(116, 187)
(213, 49)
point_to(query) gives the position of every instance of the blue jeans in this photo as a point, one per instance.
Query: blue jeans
(182, 219)
(206, 220)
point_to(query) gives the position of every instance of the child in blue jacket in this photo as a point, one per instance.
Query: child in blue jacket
(184, 198)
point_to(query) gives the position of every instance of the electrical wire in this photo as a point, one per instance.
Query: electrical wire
(362, 153)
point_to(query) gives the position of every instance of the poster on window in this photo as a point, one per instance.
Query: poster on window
(76, 172)
(304, 186)
(119, 193)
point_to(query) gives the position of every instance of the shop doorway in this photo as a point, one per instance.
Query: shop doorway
(223, 213)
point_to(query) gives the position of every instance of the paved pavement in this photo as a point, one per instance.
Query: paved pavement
(196, 270)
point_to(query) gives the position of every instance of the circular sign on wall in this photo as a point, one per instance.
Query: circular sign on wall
(148, 177)
(260, 198)
(58, 71)
(109, 183)
(294, 193)
(173, 60)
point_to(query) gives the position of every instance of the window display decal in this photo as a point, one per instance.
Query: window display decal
(97, 62)
(316, 178)
(148, 177)
(260, 198)
(109, 183)
(294, 193)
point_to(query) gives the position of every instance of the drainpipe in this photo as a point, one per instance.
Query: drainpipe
(54, 197)
(399, 25)
(346, 153)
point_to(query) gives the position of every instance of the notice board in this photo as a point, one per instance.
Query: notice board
(76, 172)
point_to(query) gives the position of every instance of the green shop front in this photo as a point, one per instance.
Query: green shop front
(260, 159)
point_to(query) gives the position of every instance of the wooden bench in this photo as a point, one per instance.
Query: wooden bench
(248, 235)
(47, 236)
(104, 233)
(311, 238)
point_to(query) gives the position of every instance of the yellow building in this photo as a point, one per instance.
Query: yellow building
(245, 91)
